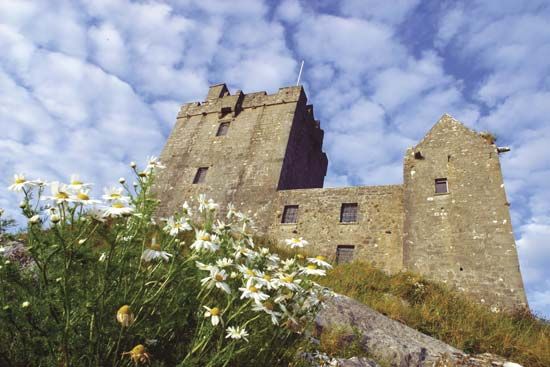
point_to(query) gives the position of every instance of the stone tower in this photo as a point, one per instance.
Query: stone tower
(457, 222)
(449, 220)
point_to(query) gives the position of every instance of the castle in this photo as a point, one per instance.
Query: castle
(449, 220)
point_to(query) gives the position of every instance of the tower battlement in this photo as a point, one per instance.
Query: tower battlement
(449, 220)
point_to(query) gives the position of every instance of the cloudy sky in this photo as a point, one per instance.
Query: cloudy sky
(87, 86)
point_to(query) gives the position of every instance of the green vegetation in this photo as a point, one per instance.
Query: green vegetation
(444, 314)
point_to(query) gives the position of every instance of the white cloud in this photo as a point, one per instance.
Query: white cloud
(379, 10)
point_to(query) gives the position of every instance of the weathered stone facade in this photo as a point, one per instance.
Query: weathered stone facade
(268, 156)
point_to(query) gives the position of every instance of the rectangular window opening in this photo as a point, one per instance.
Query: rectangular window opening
(348, 213)
(222, 129)
(290, 214)
(441, 186)
(200, 176)
(344, 254)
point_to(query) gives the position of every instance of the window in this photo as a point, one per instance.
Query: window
(290, 214)
(222, 129)
(344, 253)
(200, 176)
(441, 186)
(348, 213)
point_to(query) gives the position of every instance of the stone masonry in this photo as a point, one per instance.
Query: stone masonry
(449, 220)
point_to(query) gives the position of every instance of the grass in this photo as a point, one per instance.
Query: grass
(445, 314)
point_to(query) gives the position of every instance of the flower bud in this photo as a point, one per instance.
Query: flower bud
(122, 180)
(25, 304)
(135, 184)
(125, 316)
(55, 218)
(1, 211)
(23, 205)
(34, 219)
(80, 242)
(133, 164)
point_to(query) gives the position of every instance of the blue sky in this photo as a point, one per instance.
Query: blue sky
(87, 86)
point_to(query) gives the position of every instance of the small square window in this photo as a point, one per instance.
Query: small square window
(344, 254)
(348, 213)
(290, 214)
(441, 186)
(222, 129)
(200, 176)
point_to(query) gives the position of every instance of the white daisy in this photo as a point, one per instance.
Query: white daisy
(320, 261)
(225, 262)
(296, 242)
(114, 194)
(174, 226)
(96, 213)
(82, 196)
(76, 184)
(60, 193)
(217, 278)
(153, 162)
(118, 209)
(236, 333)
(154, 252)
(19, 182)
(312, 269)
(253, 291)
(214, 313)
(289, 281)
(268, 308)
(207, 267)
(205, 241)
(204, 204)
(186, 210)
(230, 211)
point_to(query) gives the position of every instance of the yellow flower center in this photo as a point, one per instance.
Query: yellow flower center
(288, 279)
(321, 258)
(300, 256)
(249, 272)
(82, 196)
(76, 183)
(215, 311)
(267, 277)
(253, 289)
(312, 267)
(268, 305)
(155, 246)
(218, 277)
(118, 205)
(114, 195)
(142, 174)
(20, 180)
(205, 237)
(61, 195)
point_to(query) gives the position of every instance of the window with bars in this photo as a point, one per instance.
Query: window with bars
(344, 253)
(290, 214)
(200, 176)
(348, 213)
(441, 186)
(222, 129)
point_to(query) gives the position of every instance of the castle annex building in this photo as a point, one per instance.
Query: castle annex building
(449, 220)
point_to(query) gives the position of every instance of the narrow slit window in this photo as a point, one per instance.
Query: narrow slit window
(344, 254)
(441, 186)
(290, 214)
(222, 129)
(200, 176)
(348, 213)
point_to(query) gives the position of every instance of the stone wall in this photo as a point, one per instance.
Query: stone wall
(465, 236)
(376, 235)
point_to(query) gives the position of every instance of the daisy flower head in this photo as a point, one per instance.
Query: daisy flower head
(207, 267)
(236, 333)
(289, 281)
(205, 241)
(269, 309)
(217, 278)
(206, 205)
(225, 262)
(253, 291)
(296, 242)
(230, 211)
(186, 209)
(60, 193)
(154, 252)
(175, 226)
(82, 196)
(138, 354)
(114, 194)
(96, 214)
(117, 209)
(311, 269)
(154, 163)
(320, 261)
(214, 313)
(76, 184)
(19, 182)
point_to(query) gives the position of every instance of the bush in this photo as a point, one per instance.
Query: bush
(103, 285)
